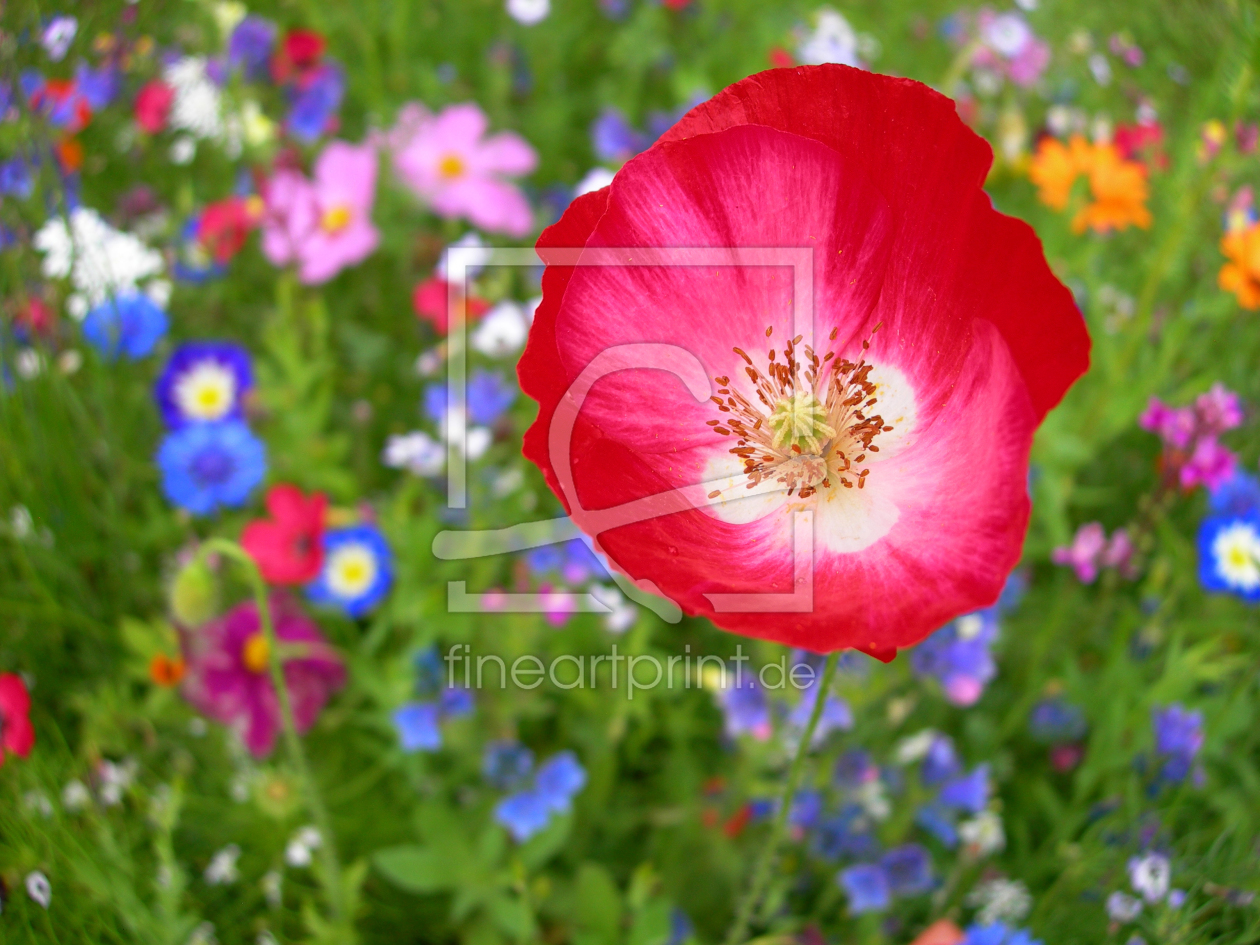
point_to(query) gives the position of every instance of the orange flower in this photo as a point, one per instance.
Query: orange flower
(166, 671)
(1117, 186)
(1241, 275)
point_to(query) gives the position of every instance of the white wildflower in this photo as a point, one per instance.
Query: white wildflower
(416, 452)
(58, 36)
(28, 362)
(1151, 876)
(502, 332)
(301, 848)
(198, 106)
(596, 179)
(38, 888)
(75, 796)
(472, 254)
(222, 869)
(528, 12)
(203, 935)
(272, 886)
(983, 833)
(833, 40)
(99, 260)
(1001, 900)
(115, 780)
(37, 802)
(622, 613)
(914, 747)
(1123, 908)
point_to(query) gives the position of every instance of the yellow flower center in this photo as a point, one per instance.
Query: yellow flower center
(351, 571)
(451, 166)
(335, 218)
(206, 391)
(256, 653)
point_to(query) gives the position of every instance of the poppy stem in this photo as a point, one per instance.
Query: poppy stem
(765, 860)
(333, 889)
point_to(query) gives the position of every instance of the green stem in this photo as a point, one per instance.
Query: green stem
(761, 872)
(332, 865)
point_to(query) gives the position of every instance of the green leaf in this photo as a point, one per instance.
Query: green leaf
(651, 924)
(512, 916)
(543, 845)
(417, 869)
(597, 909)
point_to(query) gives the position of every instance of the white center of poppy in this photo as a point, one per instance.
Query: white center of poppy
(351, 571)
(808, 436)
(206, 391)
(1236, 549)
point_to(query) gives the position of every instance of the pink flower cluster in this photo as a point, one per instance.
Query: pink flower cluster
(1193, 453)
(323, 224)
(1008, 46)
(1091, 551)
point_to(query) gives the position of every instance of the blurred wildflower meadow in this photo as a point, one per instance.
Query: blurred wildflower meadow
(223, 346)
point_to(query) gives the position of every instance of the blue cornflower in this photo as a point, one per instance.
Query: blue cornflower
(15, 179)
(939, 822)
(523, 814)
(489, 395)
(507, 765)
(249, 47)
(1056, 720)
(867, 887)
(1178, 738)
(941, 761)
(908, 868)
(545, 559)
(969, 792)
(1237, 496)
(998, 933)
(846, 835)
(204, 381)
(806, 809)
(456, 701)
(559, 778)
(316, 102)
(681, 928)
(130, 323)
(745, 708)
(358, 570)
(556, 782)
(435, 401)
(211, 465)
(417, 724)
(1229, 555)
(855, 767)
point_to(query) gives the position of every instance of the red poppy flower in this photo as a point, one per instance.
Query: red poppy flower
(153, 105)
(430, 302)
(940, 341)
(300, 50)
(16, 733)
(289, 548)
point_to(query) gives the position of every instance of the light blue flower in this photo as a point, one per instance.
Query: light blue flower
(206, 466)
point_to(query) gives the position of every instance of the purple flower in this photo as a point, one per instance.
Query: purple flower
(456, 701)
(1218, 410)
(745, 707)
(848, 834)
(1237, 496)
(558, 779)
(908, 869)
(1092, 550)
(1178, 731)
(315, 102)
(58, 35)
(15, 178)
(867, 887)
(228, 672)
(958, 656)
(98, 87)
(614, 139)
(450, 163)
(204, 381)
(997, 933)
(1174, 425)
(939, 822)
(805, 811)
(941, 761)
(250, 46)
(969, 792)
(836, 714)
(1192, 452)
(1056, 720)
(417, 725)
(489, 396)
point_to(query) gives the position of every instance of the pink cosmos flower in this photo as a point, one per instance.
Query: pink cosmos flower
(325, 224)
(447, 160)
(228, 672)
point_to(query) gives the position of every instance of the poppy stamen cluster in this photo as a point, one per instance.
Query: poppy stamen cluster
(799, 435)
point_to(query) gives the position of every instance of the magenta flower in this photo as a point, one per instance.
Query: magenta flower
(1210, 464)
(323, 225)
(1193, 454)
(1082, 555)
(1091, 550)
(447, 160)
(229, 681)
